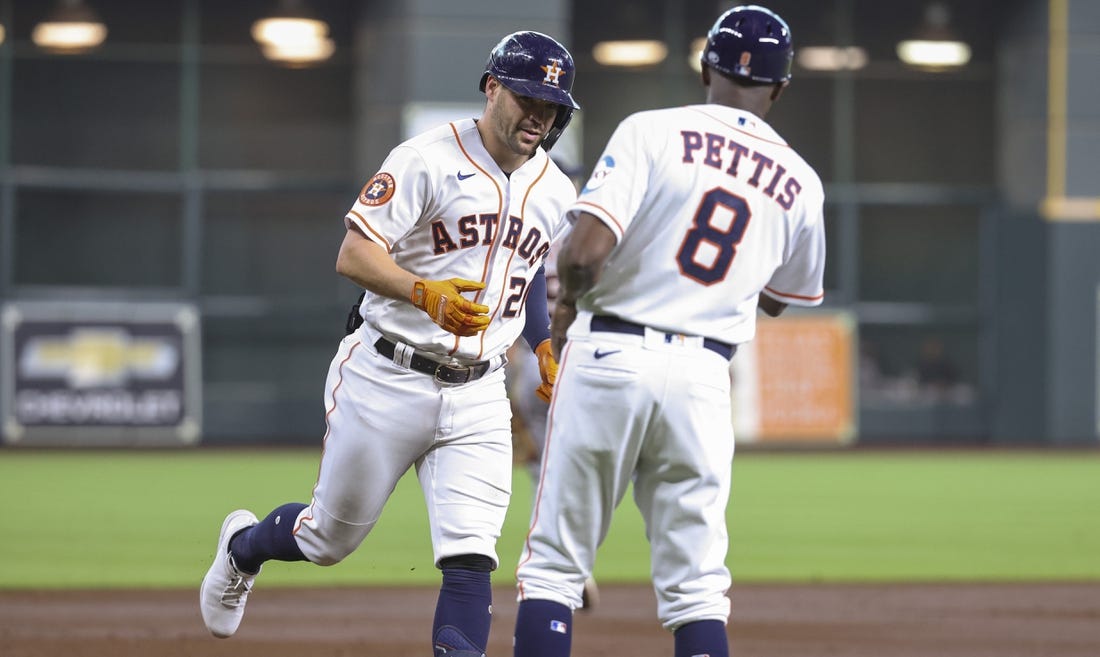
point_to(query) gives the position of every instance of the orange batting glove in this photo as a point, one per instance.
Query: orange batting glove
(548, 369)
(444, 303)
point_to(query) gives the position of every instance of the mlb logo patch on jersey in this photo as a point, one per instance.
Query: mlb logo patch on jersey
(603, 169)
(378, 189)
(559, 627)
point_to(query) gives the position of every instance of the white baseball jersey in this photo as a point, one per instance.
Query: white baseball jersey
(443, 209)
(715, 207)
(710, 207)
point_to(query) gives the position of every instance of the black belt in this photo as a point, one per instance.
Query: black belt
(612, 324)
(443, 372)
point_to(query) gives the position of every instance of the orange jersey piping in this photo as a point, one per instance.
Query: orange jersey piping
(605, 212)
(542, 471)
(324, 440)
(795, 296)
(372, 230)
(500, 211)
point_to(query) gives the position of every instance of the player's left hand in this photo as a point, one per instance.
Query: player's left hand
(548, 369)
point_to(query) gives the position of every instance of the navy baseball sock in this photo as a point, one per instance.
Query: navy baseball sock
(702, 639)
(462, 613)
(270, 539)
(543, 629)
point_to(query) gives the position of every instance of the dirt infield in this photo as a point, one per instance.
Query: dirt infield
(995, 620)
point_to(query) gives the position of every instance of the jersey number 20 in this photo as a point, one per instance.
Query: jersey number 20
(723, 241)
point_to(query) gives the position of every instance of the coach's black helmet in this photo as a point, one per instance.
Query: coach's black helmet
(751, 43)
(534, 65)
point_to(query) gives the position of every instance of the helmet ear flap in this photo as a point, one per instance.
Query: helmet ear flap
(565, 115)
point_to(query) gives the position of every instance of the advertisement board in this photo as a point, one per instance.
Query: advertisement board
(100, 373)
(795, 382)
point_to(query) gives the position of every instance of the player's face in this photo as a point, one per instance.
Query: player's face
(520, 122)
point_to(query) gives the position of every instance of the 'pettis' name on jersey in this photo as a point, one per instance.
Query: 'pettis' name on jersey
(718, 152)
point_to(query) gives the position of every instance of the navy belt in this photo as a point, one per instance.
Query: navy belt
(443, 372)
(612, 324)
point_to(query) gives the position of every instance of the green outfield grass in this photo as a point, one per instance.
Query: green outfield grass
(150, 518)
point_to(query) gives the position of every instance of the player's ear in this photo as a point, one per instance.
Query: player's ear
(491, 86)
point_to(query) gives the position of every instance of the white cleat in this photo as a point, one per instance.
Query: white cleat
(225, 589)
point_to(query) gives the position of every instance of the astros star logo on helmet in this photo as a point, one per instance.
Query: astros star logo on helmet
(553, 72)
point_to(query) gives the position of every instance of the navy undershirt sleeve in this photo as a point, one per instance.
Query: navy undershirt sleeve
(537, 328)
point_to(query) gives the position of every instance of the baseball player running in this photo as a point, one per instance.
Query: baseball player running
(448, 240)
(693, 218)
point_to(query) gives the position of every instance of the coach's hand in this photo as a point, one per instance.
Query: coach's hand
(444, 303)
(548, 369)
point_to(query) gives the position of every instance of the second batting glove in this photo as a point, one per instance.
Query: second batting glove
(548, 369)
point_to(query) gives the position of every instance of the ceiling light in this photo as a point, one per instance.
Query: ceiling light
(630, 53)
(832, 58)
(934, 55)
(935, 47)
(277, 30)
(71, 28)
(301, 53)
(292, 35)
(695, 58)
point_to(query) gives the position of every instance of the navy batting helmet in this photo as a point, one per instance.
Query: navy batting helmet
(751, 43)
(534, 65)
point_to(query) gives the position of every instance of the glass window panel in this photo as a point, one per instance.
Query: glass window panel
(250, 121)
(880, 25)
(921, 126)
(925, 130)
(93, 113)
(622, 94)
(810, 133)
(248, 118)
(918, 365)
(264, 385)
(86, 238)
(278, 244)
(919, 254)
(243, 350)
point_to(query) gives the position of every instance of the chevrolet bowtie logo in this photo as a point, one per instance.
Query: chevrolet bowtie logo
(98, 357)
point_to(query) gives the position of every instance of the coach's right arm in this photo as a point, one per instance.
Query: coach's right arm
(582, 258)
